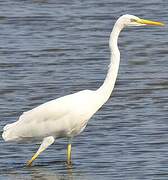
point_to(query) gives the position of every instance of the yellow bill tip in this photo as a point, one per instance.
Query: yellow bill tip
(149, 22)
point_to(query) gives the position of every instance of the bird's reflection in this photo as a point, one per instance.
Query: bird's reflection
(54, 170)
(60, 172)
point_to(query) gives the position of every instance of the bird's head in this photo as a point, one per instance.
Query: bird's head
(130, 20)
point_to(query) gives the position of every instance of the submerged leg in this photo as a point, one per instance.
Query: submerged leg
(45, 143)
(69, 162)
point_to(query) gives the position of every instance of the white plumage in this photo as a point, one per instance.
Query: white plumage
(57, 118)
(68, 116)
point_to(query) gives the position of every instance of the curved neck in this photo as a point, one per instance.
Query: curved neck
(106, 89)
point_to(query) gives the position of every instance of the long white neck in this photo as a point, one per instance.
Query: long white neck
(105, 90)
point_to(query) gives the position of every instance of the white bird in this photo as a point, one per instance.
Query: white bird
(68, 116)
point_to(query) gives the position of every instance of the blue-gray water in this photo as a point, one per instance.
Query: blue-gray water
(50, 48)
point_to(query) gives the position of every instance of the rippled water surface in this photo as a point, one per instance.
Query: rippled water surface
(50, 48)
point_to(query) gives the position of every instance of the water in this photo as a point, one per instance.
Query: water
(51, 48)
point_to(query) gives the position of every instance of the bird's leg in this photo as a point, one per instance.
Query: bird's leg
(69, 162)
(69, 154)
(47, 141)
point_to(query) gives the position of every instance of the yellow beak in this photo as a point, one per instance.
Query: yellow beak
(148, 22)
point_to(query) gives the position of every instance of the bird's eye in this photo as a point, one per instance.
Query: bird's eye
(133, 20)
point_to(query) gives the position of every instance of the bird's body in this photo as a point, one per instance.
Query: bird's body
(67, 116)
(54, 118)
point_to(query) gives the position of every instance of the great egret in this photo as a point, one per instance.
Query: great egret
(68, 116)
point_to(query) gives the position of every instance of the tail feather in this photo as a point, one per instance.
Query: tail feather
(8, 134)
(9, 126)
(11, 132)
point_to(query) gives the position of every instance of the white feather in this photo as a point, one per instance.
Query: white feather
(58, 118)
